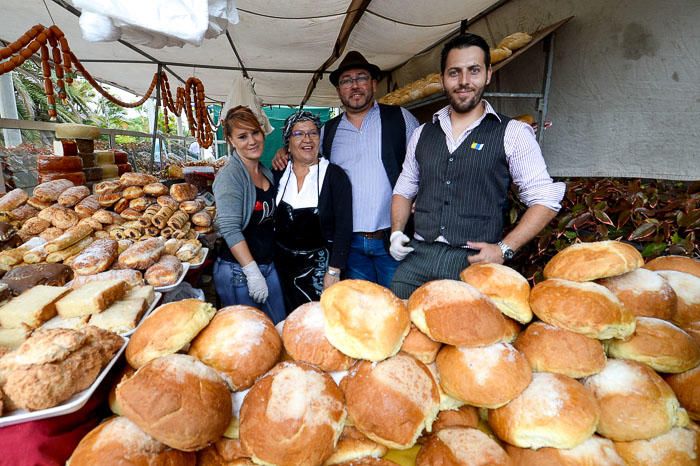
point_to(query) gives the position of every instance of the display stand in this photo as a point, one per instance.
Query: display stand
(545, 35)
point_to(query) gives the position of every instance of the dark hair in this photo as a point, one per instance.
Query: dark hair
(240, 117)
(463, 41)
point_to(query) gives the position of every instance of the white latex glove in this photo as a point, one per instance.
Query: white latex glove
(257, 286)
(398, 248)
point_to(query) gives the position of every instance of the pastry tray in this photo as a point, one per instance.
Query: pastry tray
(154, 304)
(185, 268)
(196, 265)
(71, 405)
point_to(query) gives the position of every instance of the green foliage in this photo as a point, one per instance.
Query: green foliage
(657, 217)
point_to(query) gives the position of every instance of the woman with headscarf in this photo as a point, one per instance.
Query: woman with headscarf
(313, 220)
(244, 272)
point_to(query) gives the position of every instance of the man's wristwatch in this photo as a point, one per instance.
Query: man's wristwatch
(506, 251)
(332, 273)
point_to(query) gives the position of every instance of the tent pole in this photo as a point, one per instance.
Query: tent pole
(155, 120)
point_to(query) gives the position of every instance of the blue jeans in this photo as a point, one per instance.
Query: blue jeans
(232, 288)
(369, 260)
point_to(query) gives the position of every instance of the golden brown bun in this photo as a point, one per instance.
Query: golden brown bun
(118, 441)
(583, 262)
(392, 401)
(293, 415)
(486, 377)
(686, 386)
(466, 416)
(354, 445)
(364, 320)
(125, 373)
(167, 330)
(513, 329)
(677, 447)
(224, 452)
(554, 411)
(643, 292)
(687, 289)
(508, 290)
(586, 308)
(677, 263)
(178, 400)
(499, 54)
(553, 349)
(635, 402)
(658, 344)
(420, 346)
(515, 41)
(460, 446)
(596, 451)
(455, 313)
(241, 343)
(304, 337)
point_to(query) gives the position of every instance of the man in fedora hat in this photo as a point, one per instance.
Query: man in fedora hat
(368, 140)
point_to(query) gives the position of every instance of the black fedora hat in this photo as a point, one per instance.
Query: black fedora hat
(352, 60)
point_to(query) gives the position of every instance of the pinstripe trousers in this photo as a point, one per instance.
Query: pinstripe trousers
(429, 261)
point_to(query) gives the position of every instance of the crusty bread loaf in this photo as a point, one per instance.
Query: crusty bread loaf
(635, 402)
(643, 292)
(553, 411)
(486, 377)
(554, 349)
(409, 385)
(13, 199)
(515, 41)
(508, 290)
(167, 330)
(132, 192)
(687, 289)
(136, 179)
(91, 298)
(32, 308)
(142, 255)
(241, 343)
(499, 54)
(586, 308)
(183, 192)
(364, 320)
(589, 261)
(105, 187)
(420, 346)
(304, 338)
(596, 451)
(677, 263)
(292, 415)
(131, 277)
(120, 441)
(456, 313)
(178, 400)
(156, 189)
(39, 204)
(73, 195)
(95, 258)
(461, 446)
(686, 386)
(49, 191)
(164, 272)
(658, 344)
(677, 447)
(87, 206)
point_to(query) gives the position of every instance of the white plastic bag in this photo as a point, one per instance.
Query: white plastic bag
(183, 291)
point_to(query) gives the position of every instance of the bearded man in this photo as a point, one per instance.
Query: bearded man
(458, 169)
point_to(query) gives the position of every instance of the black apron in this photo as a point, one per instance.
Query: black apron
(302, 253)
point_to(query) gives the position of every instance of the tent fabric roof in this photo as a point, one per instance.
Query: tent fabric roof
(275, 41)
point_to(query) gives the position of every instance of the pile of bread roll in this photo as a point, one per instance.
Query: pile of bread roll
(60, 222)
(459, 374)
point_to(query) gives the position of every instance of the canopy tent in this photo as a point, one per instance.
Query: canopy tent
(282, 46)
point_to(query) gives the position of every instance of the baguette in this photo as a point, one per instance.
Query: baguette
(69, 237)
(63, 254)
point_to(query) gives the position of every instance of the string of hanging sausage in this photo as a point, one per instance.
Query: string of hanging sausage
(189, 98)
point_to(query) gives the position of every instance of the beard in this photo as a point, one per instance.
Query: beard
(357, 105)
(464, 105)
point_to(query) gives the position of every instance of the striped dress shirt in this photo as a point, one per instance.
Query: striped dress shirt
(359, 153)
(525, 162)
